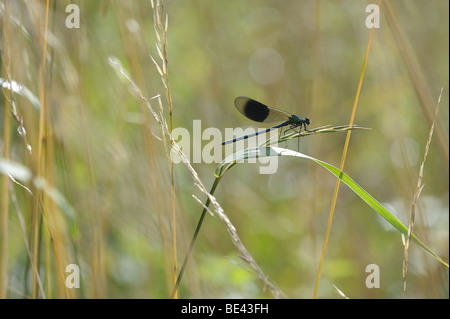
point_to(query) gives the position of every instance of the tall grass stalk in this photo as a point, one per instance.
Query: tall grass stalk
(419, 188)
(38, 202)
(160, 20)
(341, 167)
(7, 98)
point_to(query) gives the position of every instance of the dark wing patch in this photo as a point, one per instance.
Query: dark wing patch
(252, 109)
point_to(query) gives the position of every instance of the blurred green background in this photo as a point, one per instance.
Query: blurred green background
(104, 155)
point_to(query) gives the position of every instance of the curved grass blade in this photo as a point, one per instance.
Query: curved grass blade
(366, 197)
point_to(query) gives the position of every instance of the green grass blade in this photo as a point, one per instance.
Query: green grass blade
(366, 197)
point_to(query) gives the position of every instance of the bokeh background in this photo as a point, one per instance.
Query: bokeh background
(103, 152)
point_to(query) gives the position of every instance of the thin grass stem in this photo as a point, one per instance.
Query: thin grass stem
(344, 155)
(419, 188)
(194, 238)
